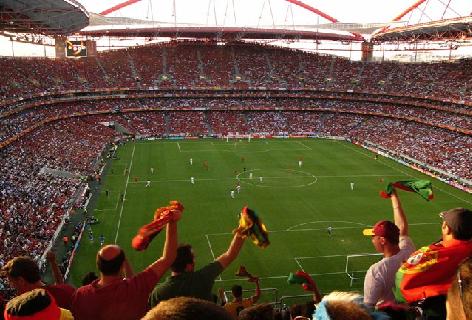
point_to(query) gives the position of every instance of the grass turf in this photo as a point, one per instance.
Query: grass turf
(296, 203)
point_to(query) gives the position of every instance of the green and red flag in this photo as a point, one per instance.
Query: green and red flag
(422, 187)
(429, 271)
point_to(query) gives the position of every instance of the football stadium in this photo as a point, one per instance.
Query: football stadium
(244, 159)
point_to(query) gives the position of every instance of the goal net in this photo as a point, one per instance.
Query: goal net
(358, 264)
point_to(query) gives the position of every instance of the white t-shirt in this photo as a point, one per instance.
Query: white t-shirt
(380, 278)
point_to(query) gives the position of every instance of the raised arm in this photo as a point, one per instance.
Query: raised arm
(56, 273)
(233, 251)
(257, 295)
(398, 215)
(169, 253)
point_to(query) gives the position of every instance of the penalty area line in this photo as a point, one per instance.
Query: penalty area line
(212, 253)
(283, 277)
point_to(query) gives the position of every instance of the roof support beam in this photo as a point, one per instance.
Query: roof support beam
(404, 13)
(310, 8)
(408, 10)
(322, 14)
(118, 7)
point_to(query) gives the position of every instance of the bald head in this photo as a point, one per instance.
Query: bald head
(109, 252)
(110, 259)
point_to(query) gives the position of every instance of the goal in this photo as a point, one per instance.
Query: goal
(358, 264)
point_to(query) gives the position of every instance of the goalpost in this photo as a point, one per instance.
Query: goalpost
(358, 264)
(237, 136)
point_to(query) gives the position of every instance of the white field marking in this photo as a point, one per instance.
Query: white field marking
(282, 277)
(334, 256)
(361, 176)
(299, 264)
(178, 146)
(212, 253)
(304, 145)
(313, 222)
(307, 175)
(242, 151)
(318, 229)
(410, 175)
(124, 195)
(106, 209)
(205, 179)
(232, 178)
(117, 201)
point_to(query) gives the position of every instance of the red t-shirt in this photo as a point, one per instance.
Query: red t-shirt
(62, 293)
(124, 299)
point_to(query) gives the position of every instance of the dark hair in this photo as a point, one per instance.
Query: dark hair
(89, 278)
(459, 221)
(24, 267)
(346, 310)
(184, 257)
(302, 309)
(110, 267)
(237, 291)
(28, 303)
(186, 308)
(263, 311)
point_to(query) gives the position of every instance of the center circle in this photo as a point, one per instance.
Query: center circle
(281, 178)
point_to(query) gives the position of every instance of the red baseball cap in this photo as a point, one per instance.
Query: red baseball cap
(384, 228)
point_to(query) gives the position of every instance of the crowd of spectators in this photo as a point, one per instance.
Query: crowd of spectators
(17, 122)
(239, 65)
(30, 193)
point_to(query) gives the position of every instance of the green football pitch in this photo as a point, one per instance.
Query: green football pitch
(297, 204)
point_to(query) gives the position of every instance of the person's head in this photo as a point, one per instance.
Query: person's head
(302, 310)
(237, 291)
(457, 224)
(341, 306)
(36, 304)
(185, 260)
(22, 273)
(110, 260)
(186, 308)
(385, 234)
(88, 278)
(263, 311)
(459, 296)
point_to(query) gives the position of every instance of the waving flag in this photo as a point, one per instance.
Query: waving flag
(422, 187)
(429, 271)
(162, 216)
(251, 225)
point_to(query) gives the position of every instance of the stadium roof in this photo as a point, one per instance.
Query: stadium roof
(458, 28)
(223, 33)
(358, 17)
(42, 16)
(248, 19)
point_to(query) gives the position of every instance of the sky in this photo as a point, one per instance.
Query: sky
(280, 12)
(261, 13)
